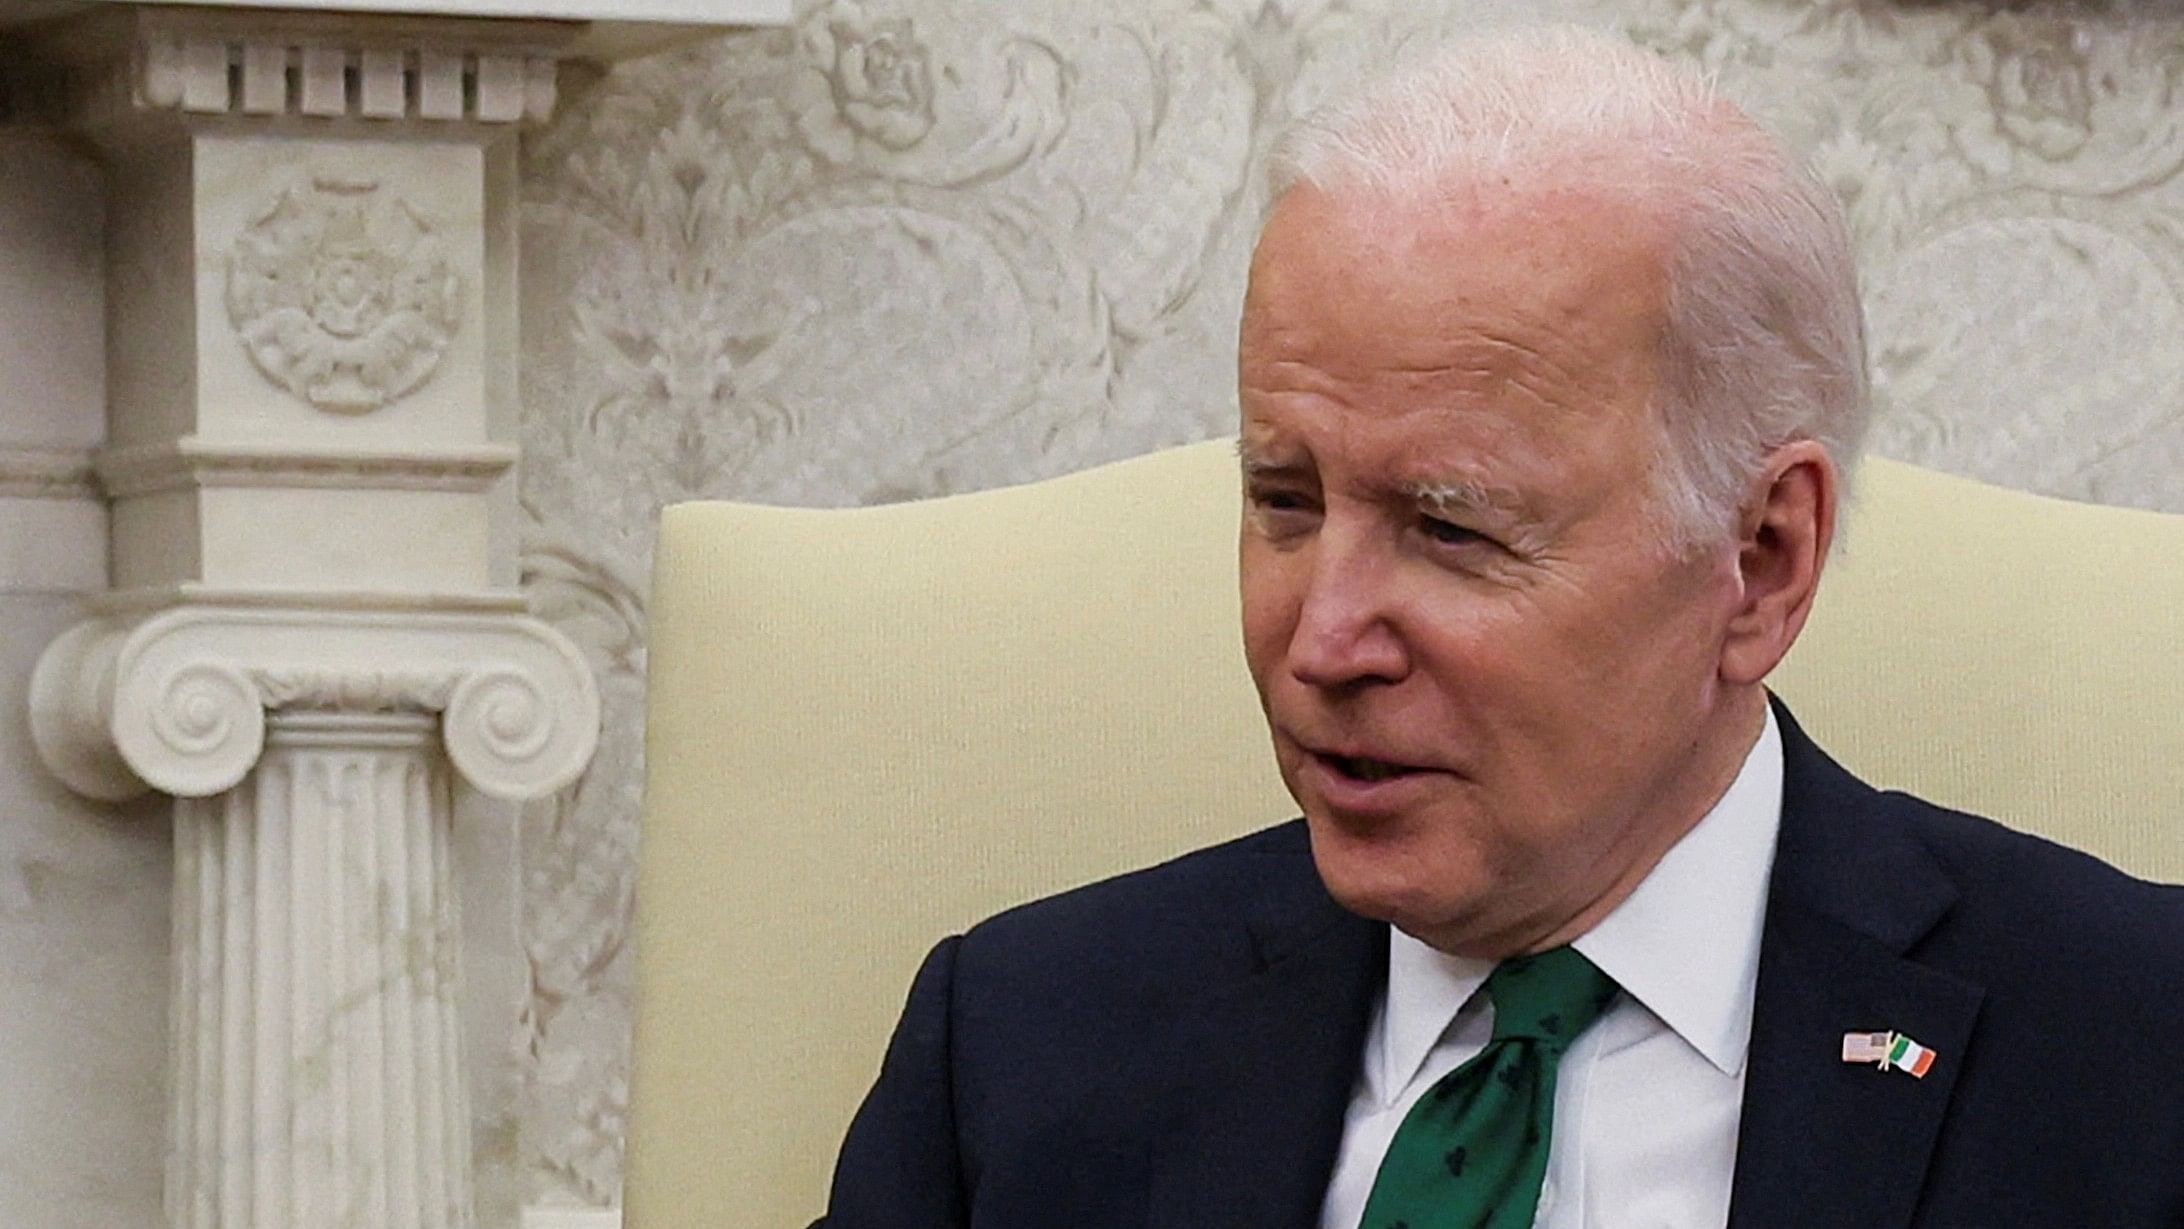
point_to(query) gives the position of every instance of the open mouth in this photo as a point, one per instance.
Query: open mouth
(1362, 768)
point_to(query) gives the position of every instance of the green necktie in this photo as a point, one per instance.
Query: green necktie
(1472, 1153)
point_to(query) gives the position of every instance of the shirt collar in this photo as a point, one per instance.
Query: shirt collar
(1684, 943)
(1426, 988)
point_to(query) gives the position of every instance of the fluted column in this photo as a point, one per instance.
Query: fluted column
(317, 1077)
(314, 1015)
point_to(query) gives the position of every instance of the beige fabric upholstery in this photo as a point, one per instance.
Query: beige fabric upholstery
(870, 728)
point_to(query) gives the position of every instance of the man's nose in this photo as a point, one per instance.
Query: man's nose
(1345, 631)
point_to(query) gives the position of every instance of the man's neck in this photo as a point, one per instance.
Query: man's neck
(1683, 800)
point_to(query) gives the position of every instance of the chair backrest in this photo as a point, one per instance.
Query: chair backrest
(870, 728)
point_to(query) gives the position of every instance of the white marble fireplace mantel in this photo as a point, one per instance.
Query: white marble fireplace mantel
(601, 31)
(257, 534)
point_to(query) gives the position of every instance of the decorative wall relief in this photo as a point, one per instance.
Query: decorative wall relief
(912, 247)
(342, 294)
(2015, 179)
(579, 882)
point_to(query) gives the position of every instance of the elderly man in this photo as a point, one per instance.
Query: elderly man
(1551, 374)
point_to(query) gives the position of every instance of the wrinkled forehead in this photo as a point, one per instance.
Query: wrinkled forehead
(1555, 293)
(1568, 246)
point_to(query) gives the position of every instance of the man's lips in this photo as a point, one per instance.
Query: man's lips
(1363, 758)
(1365, 765)
(1362, 787)
(1363, 778)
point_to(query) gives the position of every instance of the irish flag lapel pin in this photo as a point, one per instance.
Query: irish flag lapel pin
(1888, 1051)
(1905, 1054)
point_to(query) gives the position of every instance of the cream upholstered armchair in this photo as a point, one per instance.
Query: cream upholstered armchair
(870, 728)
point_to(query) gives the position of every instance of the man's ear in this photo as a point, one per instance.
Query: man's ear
(1782, 544)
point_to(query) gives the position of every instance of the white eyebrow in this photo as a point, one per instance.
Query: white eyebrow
(1459, 494)
(1452, 497)
(1254, 464)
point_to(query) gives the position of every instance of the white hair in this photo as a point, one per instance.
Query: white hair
(1764, 342)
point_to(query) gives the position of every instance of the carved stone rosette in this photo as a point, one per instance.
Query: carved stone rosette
(316, 1067)
(343, 294)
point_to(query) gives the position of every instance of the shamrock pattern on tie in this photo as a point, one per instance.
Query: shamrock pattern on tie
(1472, 1153)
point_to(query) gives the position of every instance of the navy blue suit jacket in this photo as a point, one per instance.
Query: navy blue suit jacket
(1175, 1049)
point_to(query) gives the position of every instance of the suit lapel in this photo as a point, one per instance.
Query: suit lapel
(1824, 1144)
(1262, 1070)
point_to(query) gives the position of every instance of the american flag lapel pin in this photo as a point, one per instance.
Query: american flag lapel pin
(1871, 1048)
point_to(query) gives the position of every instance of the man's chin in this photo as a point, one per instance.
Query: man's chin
(1388, 884)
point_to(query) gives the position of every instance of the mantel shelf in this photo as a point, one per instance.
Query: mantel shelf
(612, 30)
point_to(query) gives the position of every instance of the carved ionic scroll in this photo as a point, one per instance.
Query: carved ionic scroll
(178, 702)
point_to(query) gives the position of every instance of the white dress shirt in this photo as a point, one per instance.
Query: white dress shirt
(1647, 1100)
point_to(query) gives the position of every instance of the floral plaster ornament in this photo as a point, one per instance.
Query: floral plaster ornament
(343, 294)
(879, 80)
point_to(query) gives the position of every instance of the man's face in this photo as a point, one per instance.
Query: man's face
(1489, 684)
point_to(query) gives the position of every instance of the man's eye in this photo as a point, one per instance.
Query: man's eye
(1280, 515)
(1448, 532)
(1280, 501)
